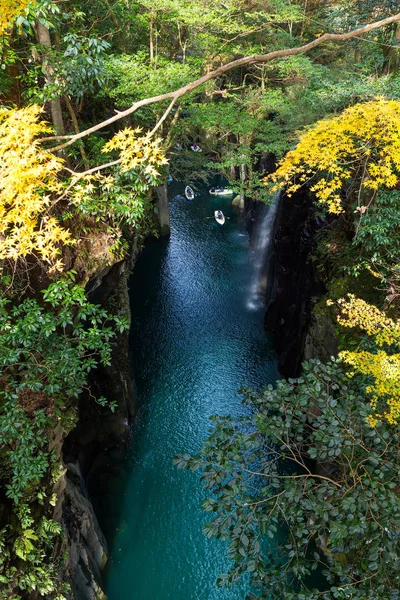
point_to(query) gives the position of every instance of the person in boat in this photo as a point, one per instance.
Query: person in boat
(220, 214)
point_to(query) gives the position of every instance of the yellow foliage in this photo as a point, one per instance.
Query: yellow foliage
(362, 143)
(382, 366)
(28, 179)
(29, 184)
(137, 151)
(9, 10)
(358, 313)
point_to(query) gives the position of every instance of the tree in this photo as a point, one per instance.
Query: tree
(47, 349)
(174, 96)
(379, 360)
(30, 190)
(9, 10)
(28, 178)
(358, 149)
(282, 518)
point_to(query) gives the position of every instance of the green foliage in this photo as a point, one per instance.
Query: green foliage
(50, 348)
(23, 550)
(123, 201)
(82, 69)
(130, 78)
(282, 520)
(378, 235)
(47, 349)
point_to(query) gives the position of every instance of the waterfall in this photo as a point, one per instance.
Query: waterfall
(261, 244)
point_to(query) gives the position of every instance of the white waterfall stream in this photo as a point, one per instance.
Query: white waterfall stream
(261, 246)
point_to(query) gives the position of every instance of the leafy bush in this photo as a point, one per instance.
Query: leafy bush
(282, 518)
(47, 349)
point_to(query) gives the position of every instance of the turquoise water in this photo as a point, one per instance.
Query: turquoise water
(195, 343)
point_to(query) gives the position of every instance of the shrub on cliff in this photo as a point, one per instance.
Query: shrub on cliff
(47, 349)
(284, 519)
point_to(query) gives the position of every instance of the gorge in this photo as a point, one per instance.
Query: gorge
(194, 343)
(191, 410)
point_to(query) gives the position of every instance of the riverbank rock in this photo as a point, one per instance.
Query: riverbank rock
(238, 202)
(321, 339)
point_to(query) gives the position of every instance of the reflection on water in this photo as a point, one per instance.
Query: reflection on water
(195, 342)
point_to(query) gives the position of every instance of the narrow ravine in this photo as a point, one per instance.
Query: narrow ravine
(195, 342)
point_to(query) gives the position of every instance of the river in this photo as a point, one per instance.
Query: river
(196, 339)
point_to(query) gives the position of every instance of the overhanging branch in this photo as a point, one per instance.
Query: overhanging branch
(240, 62)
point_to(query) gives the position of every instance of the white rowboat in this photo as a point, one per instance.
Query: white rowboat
(189, 193)
(220, 219)
(221, 191)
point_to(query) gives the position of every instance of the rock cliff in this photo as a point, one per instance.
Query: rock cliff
(99, 432)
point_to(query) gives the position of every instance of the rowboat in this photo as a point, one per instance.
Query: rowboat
(195, 148)
(218, 191)
(219, 217)
(189, 193)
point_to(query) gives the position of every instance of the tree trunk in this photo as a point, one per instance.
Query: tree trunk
(43, 37)
(151, 41)
(304, 20)
(242, 170)
(76, 129)
(118, 30)
(396, 51)
(392, 54)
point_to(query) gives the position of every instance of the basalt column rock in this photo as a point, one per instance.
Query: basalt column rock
(293, 281)
(87, 548)
(161, 192)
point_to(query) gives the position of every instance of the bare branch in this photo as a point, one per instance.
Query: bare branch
(240, 62)
(165, 115)
(78, 176)
(301, 476)
(94, 169)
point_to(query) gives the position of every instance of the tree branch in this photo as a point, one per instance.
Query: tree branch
(240, 62)
(165, 115)
(301, 476)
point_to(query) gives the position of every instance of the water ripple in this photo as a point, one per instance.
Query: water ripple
(194, 344)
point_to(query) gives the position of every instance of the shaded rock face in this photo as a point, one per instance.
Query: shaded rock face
(99, 434)
(87, 548)
(321, 340)
(293, 283)
(161, 193)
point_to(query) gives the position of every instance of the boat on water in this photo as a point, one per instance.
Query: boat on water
(189, 193)
(195, 148)
(219, 217)
(220, 191)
